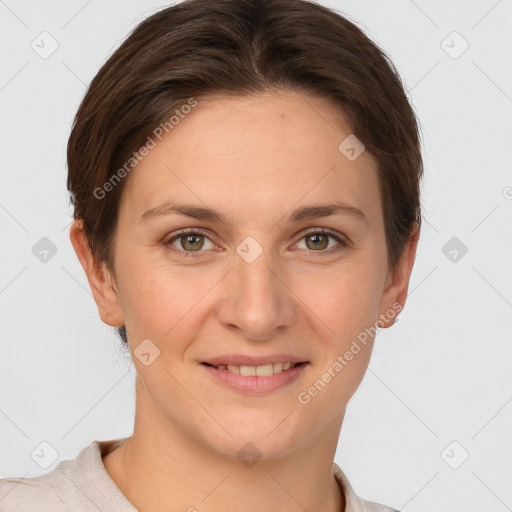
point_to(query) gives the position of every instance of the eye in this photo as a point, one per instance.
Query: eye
(189, 241)
(317, 240)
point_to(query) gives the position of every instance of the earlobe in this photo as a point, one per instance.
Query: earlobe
(100, 279)
(395, 293)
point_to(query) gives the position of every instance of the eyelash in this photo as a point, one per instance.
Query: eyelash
(343, 244)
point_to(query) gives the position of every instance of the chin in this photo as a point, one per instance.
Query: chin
(268, 435)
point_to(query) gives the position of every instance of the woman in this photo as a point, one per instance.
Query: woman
(245, 181)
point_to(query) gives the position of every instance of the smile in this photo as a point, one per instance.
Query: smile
(265, 370)
(256, 379)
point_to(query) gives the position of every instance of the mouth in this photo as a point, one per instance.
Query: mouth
(256, 380)
(265, 370)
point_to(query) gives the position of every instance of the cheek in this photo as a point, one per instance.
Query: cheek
(344, 300)
(342, 310)
(162, 303)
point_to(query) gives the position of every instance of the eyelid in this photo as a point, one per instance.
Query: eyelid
(324, 231)
(186, 231)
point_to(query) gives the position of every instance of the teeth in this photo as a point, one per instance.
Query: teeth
(265, 370)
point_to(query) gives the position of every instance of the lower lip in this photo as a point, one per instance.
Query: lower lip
(253, 383)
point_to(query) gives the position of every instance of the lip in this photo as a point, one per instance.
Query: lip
(241, 359)
(255, 384)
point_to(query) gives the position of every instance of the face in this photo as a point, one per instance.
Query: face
(257, 280)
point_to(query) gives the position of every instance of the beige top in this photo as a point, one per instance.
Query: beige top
(83, 484)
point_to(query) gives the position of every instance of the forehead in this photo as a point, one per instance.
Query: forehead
(264, 153)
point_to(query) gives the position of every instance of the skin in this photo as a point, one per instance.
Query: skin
(253, 159)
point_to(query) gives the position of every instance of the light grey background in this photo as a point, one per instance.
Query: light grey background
(441, 374)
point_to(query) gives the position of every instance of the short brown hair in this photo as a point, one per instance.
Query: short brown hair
(241, 47)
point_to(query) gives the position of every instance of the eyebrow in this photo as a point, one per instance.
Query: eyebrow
(300, 213)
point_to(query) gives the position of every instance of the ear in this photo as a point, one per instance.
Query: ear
(100, 279)
(395, 292)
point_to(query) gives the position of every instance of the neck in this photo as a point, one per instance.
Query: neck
(163, 468)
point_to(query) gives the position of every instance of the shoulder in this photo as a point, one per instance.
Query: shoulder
(353, 502)
(75, 484)
(29, 494)
(371, 506)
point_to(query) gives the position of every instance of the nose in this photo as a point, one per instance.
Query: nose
(256, 298)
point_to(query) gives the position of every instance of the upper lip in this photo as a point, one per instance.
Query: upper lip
(241, 359)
